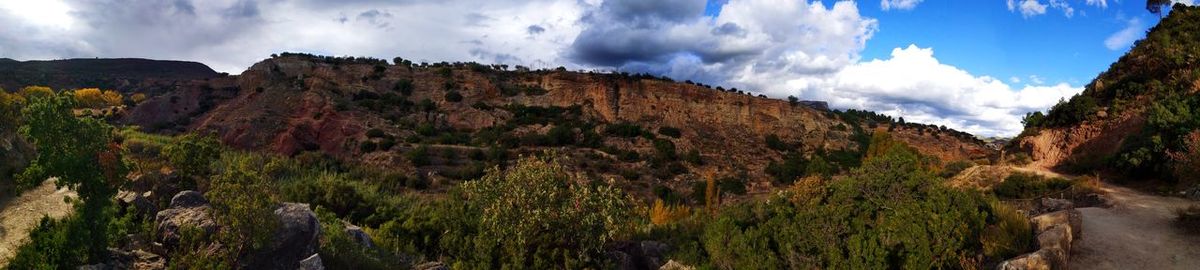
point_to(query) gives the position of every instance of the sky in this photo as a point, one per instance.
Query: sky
(975, 66)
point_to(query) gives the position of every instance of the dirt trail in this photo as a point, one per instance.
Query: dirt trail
(1136, 233)
(21, 214)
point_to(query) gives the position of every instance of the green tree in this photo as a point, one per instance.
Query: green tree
(80, 152)
(192, 154)
(537, 215)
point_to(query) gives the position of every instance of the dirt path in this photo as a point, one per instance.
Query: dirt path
(21, 214)
(1136, 233)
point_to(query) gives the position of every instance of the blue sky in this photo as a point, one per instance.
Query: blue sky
(972, 65)
(984, 37)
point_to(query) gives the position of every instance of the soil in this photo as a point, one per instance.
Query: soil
(19, 215)
(1137, 232)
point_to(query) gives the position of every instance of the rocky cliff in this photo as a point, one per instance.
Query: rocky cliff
(1131, 115)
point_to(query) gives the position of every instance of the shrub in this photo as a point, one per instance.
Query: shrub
(405, 87)
(387, 143)
(775, 143)
(239, 212)
(624, 129)
(1009, 235)
(367, 147)
(664, 150)
(663, 214)
(192, 154)
(669, 132)
(339, 251)
(1186, 162)
(1028, 185)
(536, 215)
(419, 156)
(375, 133)
(453, 96)
(952, 169)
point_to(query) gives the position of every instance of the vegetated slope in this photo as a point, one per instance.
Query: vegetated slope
(452, 120)
(126, 75)
(1132, 115)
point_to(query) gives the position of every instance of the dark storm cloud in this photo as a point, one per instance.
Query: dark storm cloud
(534, 29)
(629, 31)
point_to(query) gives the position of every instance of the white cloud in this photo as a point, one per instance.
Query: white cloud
(1098, 3)
(898, 4)
(1028, 8)
(915, 85)
(1125, 37)
(1031, 8)
(1014, 79)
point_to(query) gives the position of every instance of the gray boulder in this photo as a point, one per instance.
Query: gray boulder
(189, 210)
(312, 263)
(296, 239)
(359, 236)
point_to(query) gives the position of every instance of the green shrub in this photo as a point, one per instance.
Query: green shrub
(536, 215)
(453, 96)
(339, 251)
(670, 132)
(192, 154)
(1028, 185)
(1009, 235)
(375, 133)
(239, 212)
(624, 129)
(367, 147)
(775, 143)
(419, 156)
(952, 169)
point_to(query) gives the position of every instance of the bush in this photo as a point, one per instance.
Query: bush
(1028, 186)
(192, 154)
(453, 96)
(375, 133)
(239, 212)
(367, 147)
(536, 215)
(775, 143)
(952, 169)
(419, 156)
(1009, 235)
(670, 132)
(890, 213)
(624, 130)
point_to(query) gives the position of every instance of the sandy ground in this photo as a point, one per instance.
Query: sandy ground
(21, 214)
(1136, 233)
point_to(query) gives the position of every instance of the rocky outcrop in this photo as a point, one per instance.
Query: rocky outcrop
(188, 211)
(296, 239)
(15, 153)
(1055, 232)
(431, 266)
(638, 255)
(1086, 144)
(312, 263)
(674, 265)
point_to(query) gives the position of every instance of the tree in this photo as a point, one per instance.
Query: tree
(538, 215)
(1156, 6)
(192, 154)
(793, 100)
(80, 152)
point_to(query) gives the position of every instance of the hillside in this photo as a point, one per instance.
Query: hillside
(1133, 117)
(450, 121)
(126, 75)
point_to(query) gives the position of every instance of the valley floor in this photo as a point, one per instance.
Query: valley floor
(19, 215)
(1137, 232)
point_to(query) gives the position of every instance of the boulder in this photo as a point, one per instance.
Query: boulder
(640, 255)
(1047, 205)
(188, 198)
(674, 265)
(312, 263)
(431, 266)
(189, 210)
(296, 239)
(359, 236)
(137, 202)
(1056, 240)
(1039, 260)
(1072, 219)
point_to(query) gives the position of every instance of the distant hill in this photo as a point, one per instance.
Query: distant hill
(451, 120)
(126, 74)
(1131, 116)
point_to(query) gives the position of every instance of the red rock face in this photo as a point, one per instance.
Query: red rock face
(290, 104)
